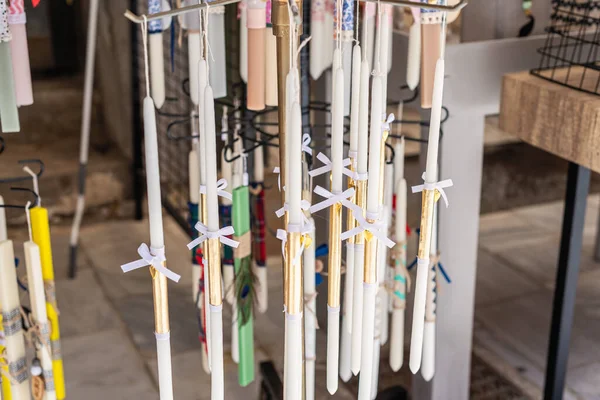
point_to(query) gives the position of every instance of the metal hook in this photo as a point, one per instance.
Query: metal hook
(37, 161)
(170, 135)
(20, 189)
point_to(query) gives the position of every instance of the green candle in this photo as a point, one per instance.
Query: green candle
(9, 115)
(244, 284)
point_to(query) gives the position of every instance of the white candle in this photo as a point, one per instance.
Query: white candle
(3, 234)
(397, 334)
(428, 362)
(413, 60)
(153, 176)
(328, 41)
(157, 68)
(368, 33)
(384, 250)
(375, 147)
(193, 60)
(294, 145)
(317, 31)
(347, 68)
(337, 132)
(366, 359)
(9, 299)
(384, 43)
(434, 126)
(216, 313)
(202, 82)
(37, 298)
(310, 315)
(355, 101)
(359, 254)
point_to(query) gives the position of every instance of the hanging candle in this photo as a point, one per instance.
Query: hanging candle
(41, 236)
(256, 24)
(328, 36)
(9, 115)
(347, 25)
(157, 65)
(413, 60)
(430, 189)
(37, 298)
(401, 277)
(368, 32)
(12, 324)
(20, 53)
(428, 362)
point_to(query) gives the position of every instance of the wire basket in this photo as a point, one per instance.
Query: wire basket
(571, 54)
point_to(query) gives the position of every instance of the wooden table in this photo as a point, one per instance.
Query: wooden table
(564, 122)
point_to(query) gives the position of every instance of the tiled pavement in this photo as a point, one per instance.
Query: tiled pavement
(107, 317)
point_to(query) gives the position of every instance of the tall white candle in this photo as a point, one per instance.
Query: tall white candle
(413, 60)
(294, 145)
(375, 146)
(217, 59)
(157, 68)
(434, 127)
(355, 101)
(15, 340)
(359, 255)
(37, 298)
(153, 176)
(397, 334)
(428, 362)
(193, 61)
(388, 196)
(310, 316)
(337, 132)
(319, 36)
(216, 312)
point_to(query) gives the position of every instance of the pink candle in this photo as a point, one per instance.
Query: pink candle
(20, 53)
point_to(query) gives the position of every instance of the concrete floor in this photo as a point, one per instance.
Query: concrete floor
(107, 317)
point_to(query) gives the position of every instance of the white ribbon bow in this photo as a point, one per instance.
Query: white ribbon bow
(363, 225)
(304, 204)
(306, 139)
(328, 166)
(331, 199)
(385, 125)
(148, 259)
(221, 234)
(221, 186)
(282, 235)
(439, 186)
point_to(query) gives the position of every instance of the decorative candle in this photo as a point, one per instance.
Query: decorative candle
(213, 254)
(41, 236)
(243, 16)
(347, 33)
(20, 53)
(293, 300)
(157, 64)
(361, 193)
(400, 272)
(256, 24)
(37, 299)
(12, 324)
(270, 60)
(416, 345)
(310, 312)
(9, 115)
(431, 29)
(335, 230)
(372, 214)
(319, 38)
(191, 23)
(413, 60)
(217, 59)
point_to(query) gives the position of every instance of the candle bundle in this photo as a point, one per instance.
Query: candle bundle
(41, 236)
(9, 115)
(37, 298)
(12, 324)
(157, 64)
(20, 53)
(431, 189)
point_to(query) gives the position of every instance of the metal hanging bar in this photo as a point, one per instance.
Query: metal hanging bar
(138, 19)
